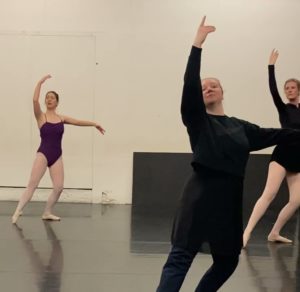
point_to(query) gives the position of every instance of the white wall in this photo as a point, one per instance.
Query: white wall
(141, 49)
(71, 61)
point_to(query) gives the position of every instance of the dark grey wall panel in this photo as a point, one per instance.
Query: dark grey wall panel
(158, 180)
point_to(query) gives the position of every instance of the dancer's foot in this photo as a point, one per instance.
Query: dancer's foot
(246, 237)
(50, 217)
(16, 216)
(278, 238)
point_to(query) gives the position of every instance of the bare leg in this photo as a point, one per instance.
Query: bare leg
(38, 170)
(293, 181)
(275, 177)
(57, 177)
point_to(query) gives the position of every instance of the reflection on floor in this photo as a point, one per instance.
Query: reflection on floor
(113, 248)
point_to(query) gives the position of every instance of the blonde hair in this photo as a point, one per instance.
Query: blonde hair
(214, 78)
(292, 80)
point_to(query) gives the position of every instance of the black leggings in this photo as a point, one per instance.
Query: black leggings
(179, 262)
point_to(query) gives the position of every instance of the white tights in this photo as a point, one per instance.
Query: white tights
(39, 168)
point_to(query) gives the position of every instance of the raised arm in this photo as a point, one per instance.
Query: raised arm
(272, 81)
(81, 123)
(192, 104)
(36, 96)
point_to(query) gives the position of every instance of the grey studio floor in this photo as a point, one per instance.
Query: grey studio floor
(111, 248)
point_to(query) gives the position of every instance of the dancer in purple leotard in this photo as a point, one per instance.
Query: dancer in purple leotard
(51, 136)
(49, 154)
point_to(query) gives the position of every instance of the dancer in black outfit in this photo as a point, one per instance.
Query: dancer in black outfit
(285, 159)
(210, 209)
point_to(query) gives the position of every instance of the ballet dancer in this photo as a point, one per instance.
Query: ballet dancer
(285, 160)
(210, 209)
(49, 154)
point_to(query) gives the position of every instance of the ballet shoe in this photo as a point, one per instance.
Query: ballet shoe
(50, 217)
(16, 216)
(278, 239)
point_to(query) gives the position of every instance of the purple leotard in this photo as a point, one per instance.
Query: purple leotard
(51, 136)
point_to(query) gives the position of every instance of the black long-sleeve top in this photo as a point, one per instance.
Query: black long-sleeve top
(289, 114)
(221, 142)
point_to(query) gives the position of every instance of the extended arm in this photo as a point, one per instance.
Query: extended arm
(82, 123)
(260, 138)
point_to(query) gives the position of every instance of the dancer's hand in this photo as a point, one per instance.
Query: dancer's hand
(45, 78)
(273, 57)
(202, 32)
(100, 129)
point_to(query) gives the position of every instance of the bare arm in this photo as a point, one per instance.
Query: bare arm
(81, 123)
(36, 96)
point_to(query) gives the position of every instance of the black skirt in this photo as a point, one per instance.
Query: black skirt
(288, 156)
(210, 211)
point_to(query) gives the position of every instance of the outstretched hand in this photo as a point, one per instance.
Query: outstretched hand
(100, 129)
(202, 32)
(273, 57)
(45, 78)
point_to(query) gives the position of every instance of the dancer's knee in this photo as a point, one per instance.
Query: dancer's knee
(294, 204)
(268, 196)
(32, 186)
(180, 258)
(58, 188)
(226, 263)
(222, 268)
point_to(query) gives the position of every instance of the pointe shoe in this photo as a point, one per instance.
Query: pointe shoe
(16, 216)
(50, 217)
(279, 239)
